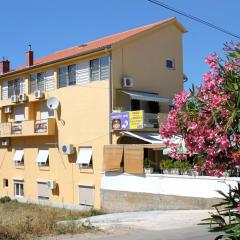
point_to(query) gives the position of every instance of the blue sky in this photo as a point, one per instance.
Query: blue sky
(52, 25)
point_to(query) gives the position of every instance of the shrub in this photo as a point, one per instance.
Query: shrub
(5, 199)
(227, 219)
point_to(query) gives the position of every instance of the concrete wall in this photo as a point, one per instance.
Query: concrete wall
(157, 191)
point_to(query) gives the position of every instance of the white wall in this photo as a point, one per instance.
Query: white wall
(179, 185)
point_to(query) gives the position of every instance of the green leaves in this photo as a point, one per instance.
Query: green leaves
(227, 219)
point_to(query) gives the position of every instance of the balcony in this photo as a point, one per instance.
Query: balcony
(28, 128)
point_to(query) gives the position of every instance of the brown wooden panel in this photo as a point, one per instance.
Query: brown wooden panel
(133, 158)
(113, 155)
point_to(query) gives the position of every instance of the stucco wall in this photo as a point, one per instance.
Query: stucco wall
(144, 58)
(84, 110)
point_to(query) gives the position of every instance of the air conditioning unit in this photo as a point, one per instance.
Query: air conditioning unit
(67, 149)
(127, 82)
(7, 109)
(6, 142)
(51, 184)
(22, 97)
(14, 98)
(38, 94)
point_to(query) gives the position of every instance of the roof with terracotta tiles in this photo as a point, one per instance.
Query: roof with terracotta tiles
(91, 46)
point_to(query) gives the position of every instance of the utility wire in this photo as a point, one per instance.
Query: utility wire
(194, 18)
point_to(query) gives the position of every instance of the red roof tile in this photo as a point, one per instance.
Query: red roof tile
(90, 46)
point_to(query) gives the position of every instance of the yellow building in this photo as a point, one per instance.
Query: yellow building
(52, 150)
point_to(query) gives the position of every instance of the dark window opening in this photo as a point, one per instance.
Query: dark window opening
(135, 105)
(154, 107)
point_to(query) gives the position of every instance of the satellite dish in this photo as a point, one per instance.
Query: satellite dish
(52, 103)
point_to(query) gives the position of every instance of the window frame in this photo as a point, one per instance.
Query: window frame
(173, 63)
(5, 183)
(19, 163)
(43, 164)
(15, 84)
(100, 68)
(83, 165)
(68, 75)
(42, 197)
(37, 80)
(17, 188)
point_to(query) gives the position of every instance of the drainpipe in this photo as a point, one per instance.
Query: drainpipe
(110, 95)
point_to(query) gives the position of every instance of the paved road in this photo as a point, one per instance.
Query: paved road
(151, 225)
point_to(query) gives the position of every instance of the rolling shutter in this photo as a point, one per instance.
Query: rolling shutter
(22, 86)
(19, 113)
(5, 90)
(86, 195)
(49, 80)
(43, 191)
(133, 158)
(83, 72)
(113, 156)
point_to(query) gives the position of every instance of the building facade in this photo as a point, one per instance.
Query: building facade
(56, 111)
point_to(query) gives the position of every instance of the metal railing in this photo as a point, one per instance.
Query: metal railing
(150, 120)
(41, 126)
(16, 128)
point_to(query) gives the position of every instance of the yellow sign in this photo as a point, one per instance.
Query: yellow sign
(136, 119)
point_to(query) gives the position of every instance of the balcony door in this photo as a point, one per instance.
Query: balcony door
(19, 115)
(45, 112)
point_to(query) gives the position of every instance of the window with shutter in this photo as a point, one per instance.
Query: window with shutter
(95, 69)
(104, 67)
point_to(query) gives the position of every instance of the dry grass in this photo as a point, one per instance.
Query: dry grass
(20, 221)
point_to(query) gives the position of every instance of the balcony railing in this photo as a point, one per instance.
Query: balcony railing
(28, 128)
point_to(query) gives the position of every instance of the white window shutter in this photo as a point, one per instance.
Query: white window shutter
(22, 86)
(49, 80)
(5, 90)
(83, 72)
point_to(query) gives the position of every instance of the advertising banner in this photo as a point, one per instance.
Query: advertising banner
(136, 119)
(127, 120)
(120, 120)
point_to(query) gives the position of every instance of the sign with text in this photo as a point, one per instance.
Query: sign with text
(136, 119)
(127, 120)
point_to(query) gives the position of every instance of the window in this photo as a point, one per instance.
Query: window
(18, 189)
(5, 182)
(37, 82)
(153, 107)
(43, 157)
(18, 157)
(135, 105)
(43, 190)
(14, 87)
(86, 195)
(100, 68)
(95, 69)
(67, 76)
(84, 157)
(170, 64)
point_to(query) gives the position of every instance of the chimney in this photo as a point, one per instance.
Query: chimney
(29, 56)
(4, 66)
